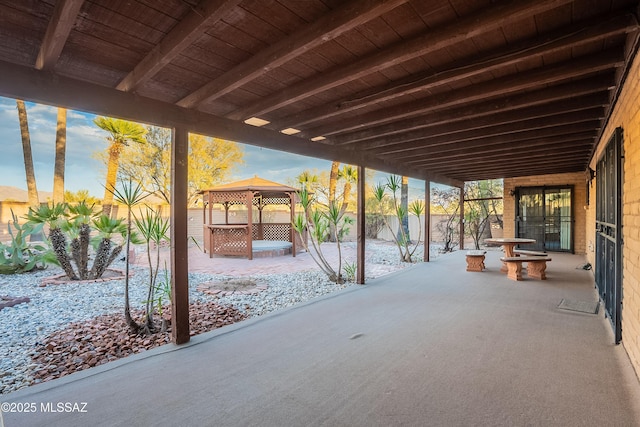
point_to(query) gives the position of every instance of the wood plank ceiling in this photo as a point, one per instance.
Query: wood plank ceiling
(449, 90)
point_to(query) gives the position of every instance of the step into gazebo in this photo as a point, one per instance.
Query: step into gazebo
(240, 234)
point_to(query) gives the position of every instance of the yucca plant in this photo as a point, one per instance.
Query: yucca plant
(78, 227)
(129, 195)
(350, 269)
(70, 229)
(319, 224)
(416, 208)
(107, 250)
(154, 230)
(56, 217)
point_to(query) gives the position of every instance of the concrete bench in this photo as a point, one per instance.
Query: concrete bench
(536, 266)
(530, 253)
(475, 260)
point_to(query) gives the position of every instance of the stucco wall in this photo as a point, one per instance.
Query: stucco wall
(626, 114)
(579, 183)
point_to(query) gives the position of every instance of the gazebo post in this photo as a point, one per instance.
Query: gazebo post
(292, 215)
(205, 230)
(260, 226)
(179, 242)
(249, 224)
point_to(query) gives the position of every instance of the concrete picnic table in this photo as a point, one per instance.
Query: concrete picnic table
(508, 243)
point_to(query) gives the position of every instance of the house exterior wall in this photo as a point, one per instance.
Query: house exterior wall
(579, 183)
(626, 114)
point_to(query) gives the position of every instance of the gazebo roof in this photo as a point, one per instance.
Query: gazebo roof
(255, 184)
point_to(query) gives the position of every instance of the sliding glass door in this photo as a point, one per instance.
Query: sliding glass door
(545, 214)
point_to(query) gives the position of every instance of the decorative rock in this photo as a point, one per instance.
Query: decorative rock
(9, 301)
(28, 328)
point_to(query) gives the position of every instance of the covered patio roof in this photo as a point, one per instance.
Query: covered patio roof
(442, 90)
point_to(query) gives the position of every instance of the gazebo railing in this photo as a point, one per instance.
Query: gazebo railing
(228, 239)
(272, 231)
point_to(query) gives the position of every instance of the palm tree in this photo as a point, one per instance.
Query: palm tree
(61, 146)
(32, 189)
(307, 180)
(350, 176)
(333, 181)
(121, 133)
(404, 202)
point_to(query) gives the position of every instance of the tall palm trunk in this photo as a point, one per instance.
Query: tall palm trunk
(61, 146)
(32, 189)
(404, 201)
(112, 174)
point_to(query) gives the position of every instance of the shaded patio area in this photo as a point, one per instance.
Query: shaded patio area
(430, 345)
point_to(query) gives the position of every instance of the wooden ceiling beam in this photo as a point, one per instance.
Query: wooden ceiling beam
(503, 86)
(569, 37)
(473, 148)
(328, 27)
(563, 98)
(64, 16)
(183, 34)
(482, 22)
(522, 173)
(22, 82)
(507, 163)
(448, 143)
(511, 163)
(551, 147)
(511, 166)
(468, 129)
(559, 166)
(563, 167)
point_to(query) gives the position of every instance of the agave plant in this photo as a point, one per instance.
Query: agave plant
(20, 256)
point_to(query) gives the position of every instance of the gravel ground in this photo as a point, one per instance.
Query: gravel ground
(54, 307)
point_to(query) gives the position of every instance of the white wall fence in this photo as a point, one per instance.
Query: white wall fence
(196, 221)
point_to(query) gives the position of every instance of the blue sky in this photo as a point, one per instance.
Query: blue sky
(84, 138)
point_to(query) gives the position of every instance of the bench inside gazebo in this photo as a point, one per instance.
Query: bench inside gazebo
(241, 234)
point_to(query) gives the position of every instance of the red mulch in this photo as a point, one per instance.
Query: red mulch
(83, 345)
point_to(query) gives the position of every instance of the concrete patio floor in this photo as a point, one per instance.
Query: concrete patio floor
(431, 345)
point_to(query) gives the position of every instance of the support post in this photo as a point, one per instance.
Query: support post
(250, 225)
(427, 220)
(462, 217)
(179, 247)
(360, 226)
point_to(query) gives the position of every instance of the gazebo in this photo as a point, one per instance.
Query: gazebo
(240, 234)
